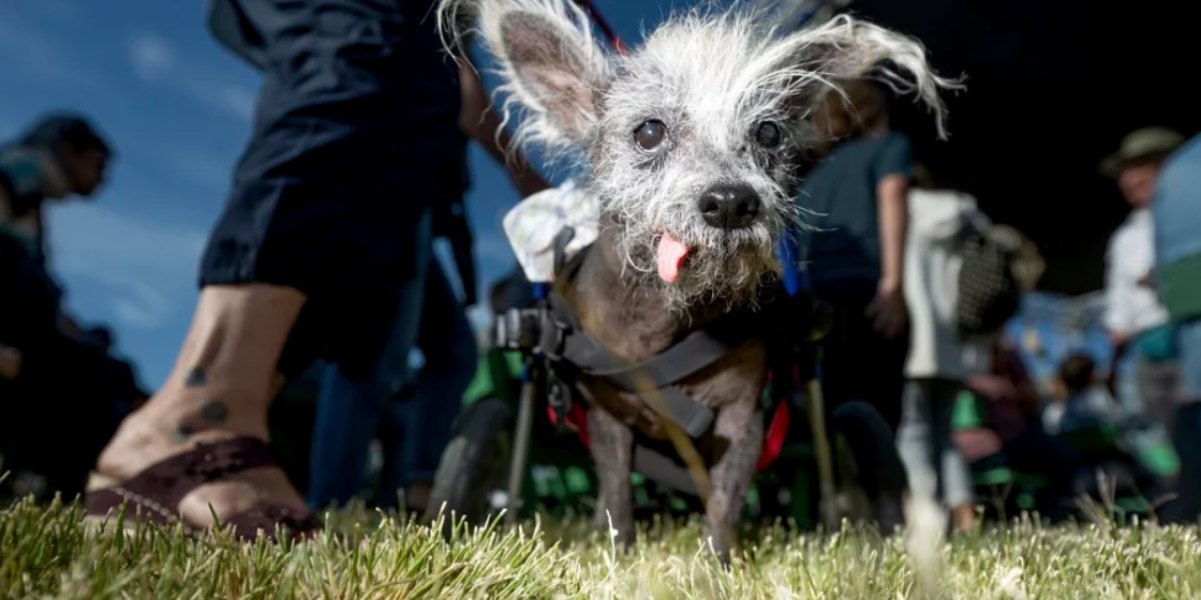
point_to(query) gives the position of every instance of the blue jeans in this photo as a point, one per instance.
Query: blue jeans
(932, 461)
(352, 412)
(351, 403)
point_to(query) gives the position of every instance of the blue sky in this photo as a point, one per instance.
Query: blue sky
(178, 108)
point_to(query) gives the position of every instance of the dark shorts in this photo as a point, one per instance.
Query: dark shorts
(357, 114)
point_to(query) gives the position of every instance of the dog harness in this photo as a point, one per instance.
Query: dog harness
(554, 332)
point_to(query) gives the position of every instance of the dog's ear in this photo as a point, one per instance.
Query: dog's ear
(845, 49)
(550, 61)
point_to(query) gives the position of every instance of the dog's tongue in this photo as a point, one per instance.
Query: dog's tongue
(670, 256)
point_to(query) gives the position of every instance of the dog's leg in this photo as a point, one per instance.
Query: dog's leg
(741, 426)
(612, 446)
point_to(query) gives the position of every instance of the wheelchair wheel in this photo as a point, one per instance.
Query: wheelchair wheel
(473, 465)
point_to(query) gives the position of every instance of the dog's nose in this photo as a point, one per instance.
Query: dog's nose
(729, 206)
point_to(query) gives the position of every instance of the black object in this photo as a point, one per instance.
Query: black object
(989, 293)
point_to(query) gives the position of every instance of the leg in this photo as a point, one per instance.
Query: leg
(326, 203)
(219, 388)
(916, 437)
(612, 447)
(885, 373)
(741, 425)
(1186, 427)
(1033, 451)
(954, 476)
(881, 472)
(351, 407)
(859, 364)
(448, 344)
(1158, 388)
(348, 416)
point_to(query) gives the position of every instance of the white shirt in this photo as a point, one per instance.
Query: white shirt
(932, 263)
(1131, 308)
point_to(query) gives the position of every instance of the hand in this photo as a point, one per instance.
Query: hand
(10, 362)
(888, 310)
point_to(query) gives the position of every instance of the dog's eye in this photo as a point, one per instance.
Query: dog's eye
(650, 134)
(768, 134)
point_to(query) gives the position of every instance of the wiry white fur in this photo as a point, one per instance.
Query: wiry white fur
(712, 78)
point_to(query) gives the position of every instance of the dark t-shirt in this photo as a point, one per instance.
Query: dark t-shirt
(841, 190)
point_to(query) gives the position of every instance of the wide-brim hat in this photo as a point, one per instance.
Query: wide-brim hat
(1143, 144)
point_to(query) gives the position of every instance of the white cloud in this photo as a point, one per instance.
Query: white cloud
(141, 305)
(156, 62)
(234, 100)
(151, 56)
(145, 267)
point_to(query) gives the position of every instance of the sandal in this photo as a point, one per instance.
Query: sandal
(154, 494)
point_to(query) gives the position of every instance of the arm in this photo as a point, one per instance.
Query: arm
(892, 208)
(888, 309)
(481, 123)
(891, 170)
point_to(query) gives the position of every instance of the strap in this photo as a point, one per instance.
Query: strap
(692, 416)
(695, 352)
(168, 481)
(658, 467)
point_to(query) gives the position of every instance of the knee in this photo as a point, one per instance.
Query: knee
(855, 417)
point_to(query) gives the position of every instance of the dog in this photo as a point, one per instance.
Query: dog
(690, 144)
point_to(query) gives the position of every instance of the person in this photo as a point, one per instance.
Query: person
(939, 360)
(1136, 320)
(1082, 402)
(1012, 429)
(1106, 435)
(352, 410)
(45, 354)
(854, 261)
(1176, 213)
(318, 252)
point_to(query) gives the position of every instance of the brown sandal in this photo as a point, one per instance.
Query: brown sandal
(154, 494)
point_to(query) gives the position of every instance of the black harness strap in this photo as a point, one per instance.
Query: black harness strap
(656, 375)
(663, 469)
(565, 341)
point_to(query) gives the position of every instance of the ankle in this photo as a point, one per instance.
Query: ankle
(181, 414)
(964, 516)
(161, 428)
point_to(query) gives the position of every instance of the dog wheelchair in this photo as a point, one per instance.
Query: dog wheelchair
(503, 456)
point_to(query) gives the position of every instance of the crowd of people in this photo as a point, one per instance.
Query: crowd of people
(357, 162)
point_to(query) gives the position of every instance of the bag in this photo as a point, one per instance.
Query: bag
(989, 290)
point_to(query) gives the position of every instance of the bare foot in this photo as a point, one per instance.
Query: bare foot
(141, 442)
(219, 389)
(964, 516)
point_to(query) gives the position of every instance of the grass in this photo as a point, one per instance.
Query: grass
(51, 552)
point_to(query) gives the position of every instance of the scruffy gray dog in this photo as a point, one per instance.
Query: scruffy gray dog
(690, 143)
